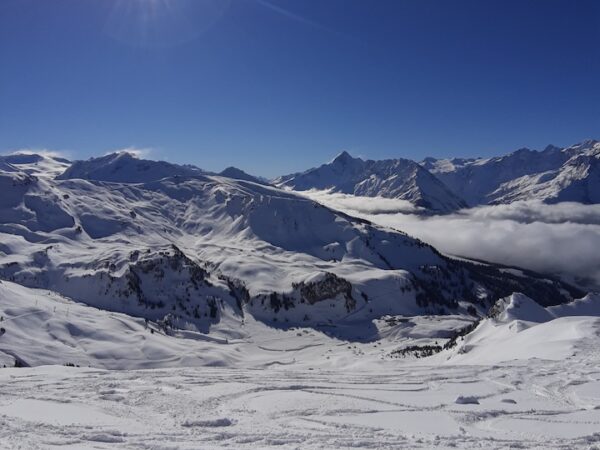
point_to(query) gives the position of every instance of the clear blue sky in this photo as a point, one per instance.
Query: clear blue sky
(275, 86)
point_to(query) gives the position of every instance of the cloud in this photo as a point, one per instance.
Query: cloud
(560, 239)
(362, 205)
(532, 211)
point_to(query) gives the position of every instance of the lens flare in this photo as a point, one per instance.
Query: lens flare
(162, 23)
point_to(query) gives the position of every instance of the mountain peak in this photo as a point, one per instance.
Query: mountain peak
(519, 307)
(391, 178)
(551, 148)
(239, 174)
(125, 167)
(343, 157)
(123, 154)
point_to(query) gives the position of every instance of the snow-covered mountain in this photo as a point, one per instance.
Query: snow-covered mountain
(190, 250)
(239, 174)
(41, 165)
(552, 175)
(393, 178)
(183, 272)
(519, 328)
(125, 167)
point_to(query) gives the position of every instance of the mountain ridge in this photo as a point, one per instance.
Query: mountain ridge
(392, 178)
(551, 175)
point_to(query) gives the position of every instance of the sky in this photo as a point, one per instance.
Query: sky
(278, 86)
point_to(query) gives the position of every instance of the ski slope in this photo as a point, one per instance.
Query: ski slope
(526, 377)
(524, 404)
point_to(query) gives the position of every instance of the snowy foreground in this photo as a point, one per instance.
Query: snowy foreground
(528, 377)
(532, 404)
(146, 305)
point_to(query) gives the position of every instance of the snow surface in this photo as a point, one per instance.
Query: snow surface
(523, 378)
(42, 327)
(519, 329)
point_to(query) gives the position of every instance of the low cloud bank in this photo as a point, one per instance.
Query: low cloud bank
(561, 239)
(362, 205)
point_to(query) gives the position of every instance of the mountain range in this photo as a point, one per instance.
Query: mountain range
(186, 249)
(552, 175)
(444, 185)
(393, 178)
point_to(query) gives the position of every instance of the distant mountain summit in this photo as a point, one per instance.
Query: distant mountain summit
(392, 178)
(552, 175)
(124, 167)
(239, 174)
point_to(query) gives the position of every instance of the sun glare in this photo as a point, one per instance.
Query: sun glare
(162, 23)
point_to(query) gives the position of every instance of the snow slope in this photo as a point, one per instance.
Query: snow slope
(42, 327)
(318, 392)
(394, 178)
(539, 405)
(43, 165)
(517, 328)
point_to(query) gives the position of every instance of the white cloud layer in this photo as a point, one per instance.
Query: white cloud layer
(362, 205)
(561, 239)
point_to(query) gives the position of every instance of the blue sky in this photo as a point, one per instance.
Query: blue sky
(276, 86)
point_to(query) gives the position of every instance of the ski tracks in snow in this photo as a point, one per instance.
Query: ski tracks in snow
(531, 405)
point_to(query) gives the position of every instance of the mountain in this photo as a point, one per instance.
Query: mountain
(393, 178)
(577, 180)
(552, 175)
(188, 251)
(125, 167)
(39, 165)
(238, 174)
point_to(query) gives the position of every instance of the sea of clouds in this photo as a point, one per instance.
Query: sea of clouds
(561, 239)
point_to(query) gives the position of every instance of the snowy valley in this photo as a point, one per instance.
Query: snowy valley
(145, 304)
